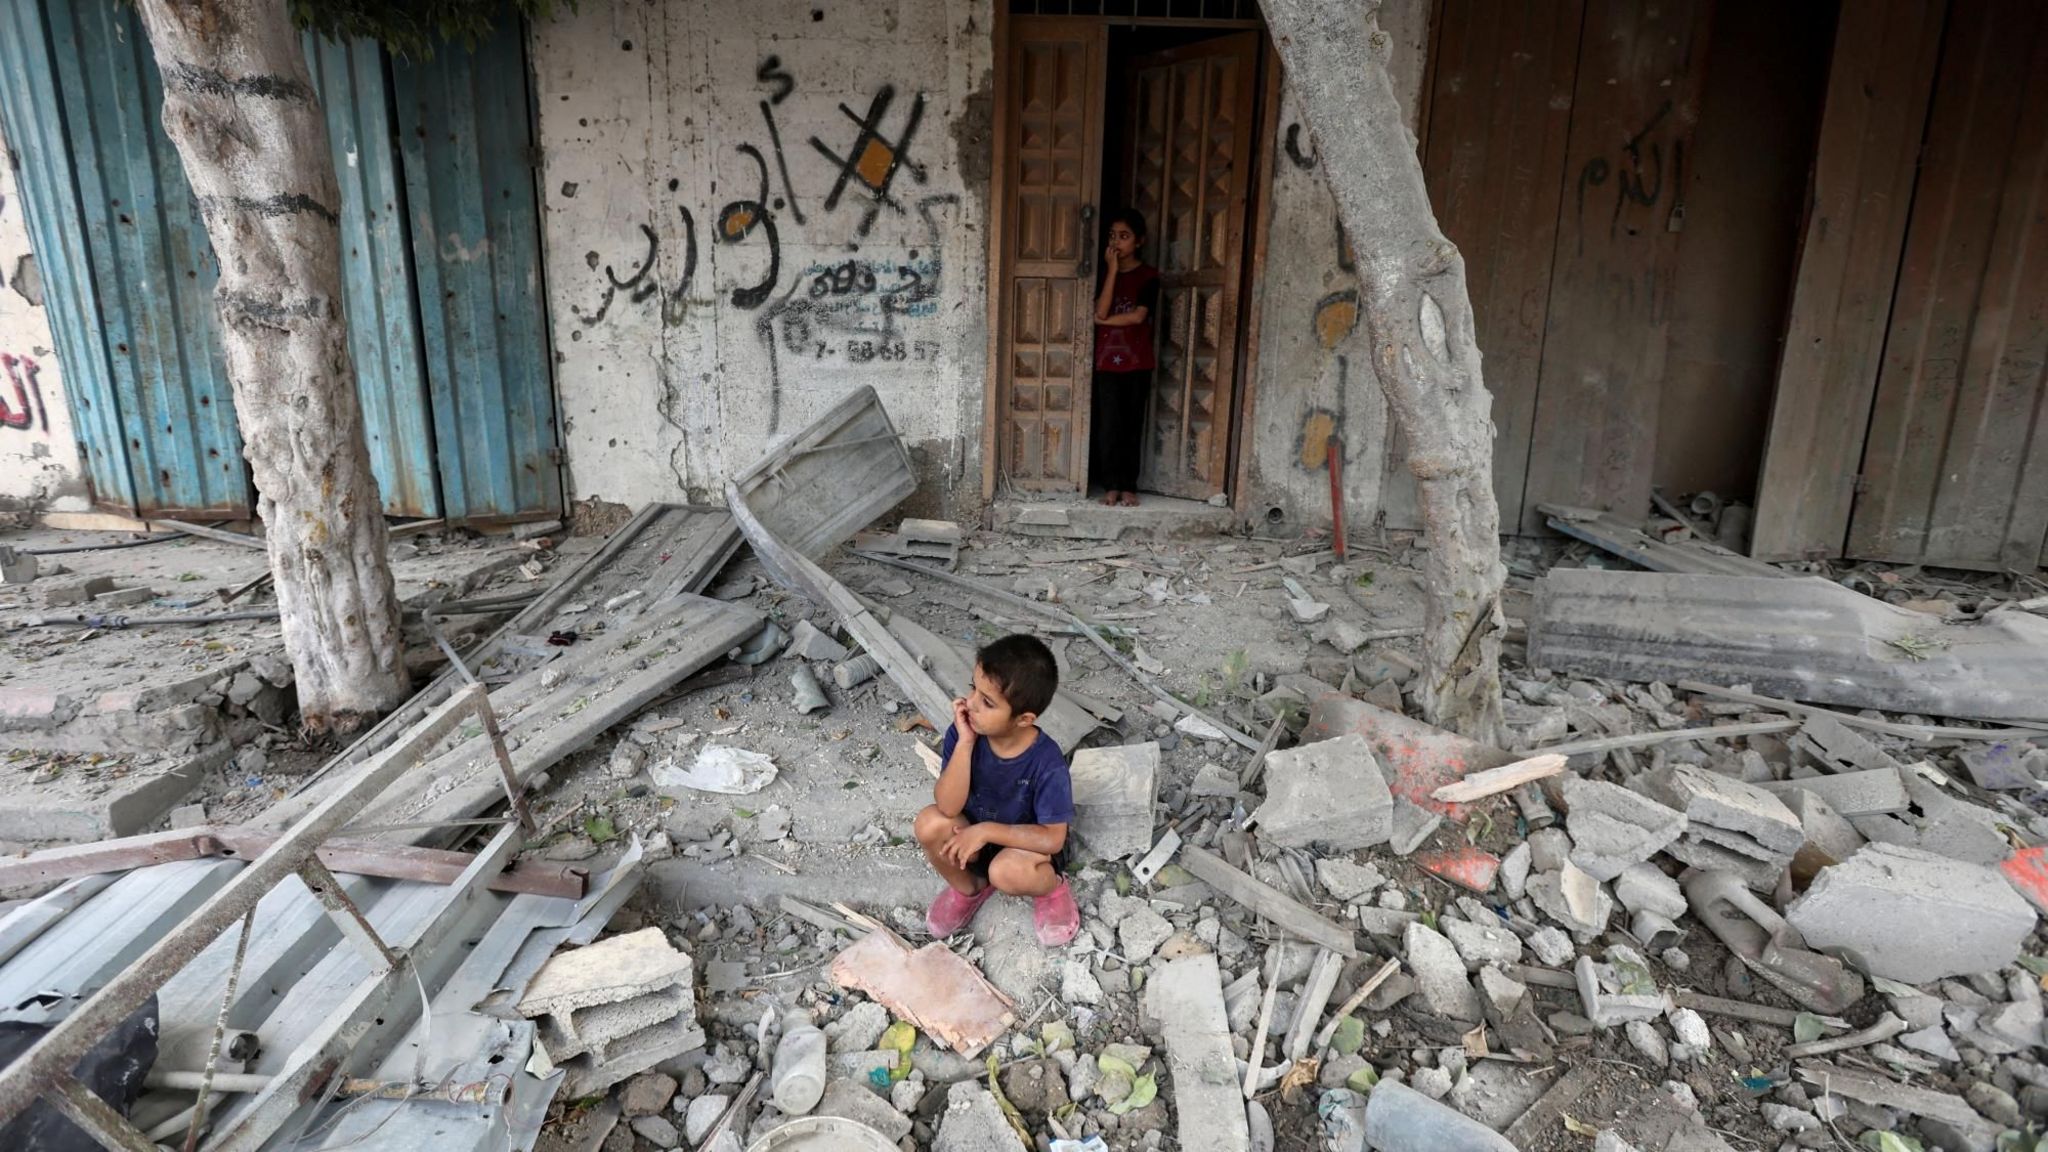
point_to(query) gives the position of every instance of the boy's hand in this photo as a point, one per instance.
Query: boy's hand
(965, 845)
(961, 725)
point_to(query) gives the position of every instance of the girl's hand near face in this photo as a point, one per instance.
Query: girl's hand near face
(1110, 260)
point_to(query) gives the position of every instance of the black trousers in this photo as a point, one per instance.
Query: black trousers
(1115, 444)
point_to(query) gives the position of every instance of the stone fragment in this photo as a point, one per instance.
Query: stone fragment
(1214, 780)
(1412, 825)
(1183, 1007)
(1964, 917)
(1552, 946)
(1644, 1038)
(1999, 766)
(858, 1028)
(1645, 888)
(1612, 827)
(1785, 1118)
(1551, 893)
(1078, 984)
(1330, 792)
(1400, 1119)
(1691, 1029)
(1482, 944)
(974, 1122)
(618, 968)
(1347, 880)
(1618, 990)
(75, 591)
(1439, 974)
(1141, 933)
(1869, 793)
(1115, 790)
(808, 643)
(1724, 802)
(657, 1131)
(1514, 870)
(851, 1101)
(124, 597)
(647, 1094)
(702, 1113)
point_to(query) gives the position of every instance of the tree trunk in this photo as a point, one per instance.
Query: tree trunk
(239, 106)
(1419, 319)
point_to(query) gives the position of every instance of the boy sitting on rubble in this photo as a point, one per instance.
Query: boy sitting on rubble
(1003, 800)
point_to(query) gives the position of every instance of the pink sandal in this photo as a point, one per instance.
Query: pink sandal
(1056, 917)
(954, 910)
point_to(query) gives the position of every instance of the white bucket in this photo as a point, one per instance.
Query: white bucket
(823, 1134)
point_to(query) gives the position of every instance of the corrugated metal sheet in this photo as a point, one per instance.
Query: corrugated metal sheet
(1956, 468)
(152, 264)
(466, 136)
(297, 968)
(31, 114)
(376, 268)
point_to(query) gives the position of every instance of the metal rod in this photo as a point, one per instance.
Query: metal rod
(514, 794)
(1333, 454)
(220, 1029)
(40, 1069)
(490, 1091)
(346, 916)
(95, 1117)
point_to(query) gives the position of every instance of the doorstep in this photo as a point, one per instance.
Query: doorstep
(1073, 518)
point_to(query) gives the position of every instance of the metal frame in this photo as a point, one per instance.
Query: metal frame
(45, 1070)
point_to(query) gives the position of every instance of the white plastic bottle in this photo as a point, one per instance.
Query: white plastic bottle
(799, 1076)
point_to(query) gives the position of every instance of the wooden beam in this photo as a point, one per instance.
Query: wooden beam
(1268, 901)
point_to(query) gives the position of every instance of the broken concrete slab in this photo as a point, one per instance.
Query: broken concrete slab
(1400, 1119)
(1979, 1134)
(1183, 1009)
(1829, 838)
(1574, 899)
(1719, 801)
(613, 969)
(850, 1101)
(1411, 826)
(1612, 827)
(1999, 766)
(1806, 639)
(1329, 792)
(1115, 790)
(1941, 824)
(1619, 990)
(1874, 792)
(1481, 944)
(1964, 920)
(1440, 974)
(83, 803)
(1646, 888)
(1415, 758)
(807, 643)
(1347, 880)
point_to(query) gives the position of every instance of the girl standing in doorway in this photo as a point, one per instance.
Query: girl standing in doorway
(1124, 357)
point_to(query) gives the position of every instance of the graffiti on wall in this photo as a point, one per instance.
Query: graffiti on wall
(851, 311)
(1638, 173)
(25, 412)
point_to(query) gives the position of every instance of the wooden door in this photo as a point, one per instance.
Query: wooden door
(1611, 289)
(1052, 150)
(1956, 468)
(1192, 131)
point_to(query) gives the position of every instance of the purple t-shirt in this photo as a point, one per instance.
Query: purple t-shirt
(1031, 787)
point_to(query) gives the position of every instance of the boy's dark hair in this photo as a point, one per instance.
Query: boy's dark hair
(1023, 668)
(1130, 216)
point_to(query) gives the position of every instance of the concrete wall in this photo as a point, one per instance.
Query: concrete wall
(715, 279)
(39, 468)
(1314, 373)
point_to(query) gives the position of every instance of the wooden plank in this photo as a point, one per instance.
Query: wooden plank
(1605, 340)
(1611, 533)
(1499, 115)
(1879, 86)
(1956, 468)
(1494, 781)
(1283, 910)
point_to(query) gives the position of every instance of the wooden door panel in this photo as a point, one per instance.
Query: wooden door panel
(1956, 469)
(1053, 156)
(1193, 112)
(1608, 328)
(1500, 110)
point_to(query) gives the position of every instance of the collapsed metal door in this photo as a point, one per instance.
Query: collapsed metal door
(1955, 471)
(131, 271)
(1192, 112)
(465, 131)
(1053, 153)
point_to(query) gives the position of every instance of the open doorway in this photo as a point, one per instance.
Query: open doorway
(1163, 117)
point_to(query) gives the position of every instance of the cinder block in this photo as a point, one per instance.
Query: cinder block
(1330, 792)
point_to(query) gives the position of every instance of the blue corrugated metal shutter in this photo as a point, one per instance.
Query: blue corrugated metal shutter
(31, 116)
(376, 267)
(153, 267)
(465, 130)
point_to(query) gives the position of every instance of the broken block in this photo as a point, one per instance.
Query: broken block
(17, 567)
(619, 968)
(1114, 793)
(974, 1122)
(1719, 801)
(1853, 794)
(1620, 989)
(1329, 792)
(1612, 827)
(78, 590)
(1912, 916)
(808, 643)
(1183, 1007)
(1440, 974)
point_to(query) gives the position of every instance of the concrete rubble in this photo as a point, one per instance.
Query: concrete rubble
(1653, 949)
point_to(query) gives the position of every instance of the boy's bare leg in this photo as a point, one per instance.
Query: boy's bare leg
(1017, 872)
(933, 828)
